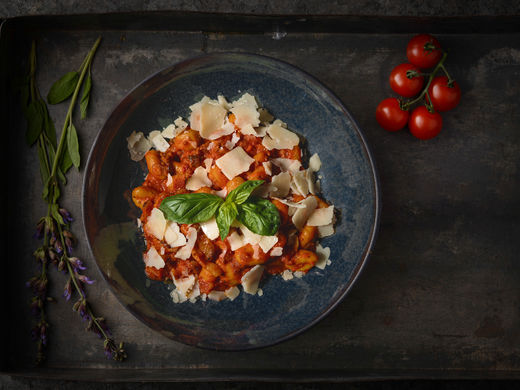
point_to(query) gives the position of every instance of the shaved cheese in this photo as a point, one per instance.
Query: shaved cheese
(286, 164)
(310, 181)
(249, 236)
(323, 256)
(159, 142)
(180, 124)
(153, 259)
(226, 129)
(198, 180)
(208, 162)
(232, 292)
(195, 292)
(153, 134)
(235, 241)
(211, 118)
(170, 131)
(264, 189)
(278, 251)
(261, 131)
(267, 242)
(217, 295)
(245, 100)
(287, 275)
(185, 252)
(301, 215)
(222, 193)
(298, 274)
(184, 286)
(267, 167)
(315, 163)
(325, 231)
(290, 204)
(195, 113)
(210, 228)
(234, 139)
(138, 145)
(169, 180)
(234, 162)
(260, 292)
(173, 236)
(251, 279)
(321, 217)
(223, 102)
(300, 183)
(281, 184)
(246, 114)
(280, 138)
(156, 224)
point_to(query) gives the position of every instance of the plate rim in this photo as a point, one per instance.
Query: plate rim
(176, 67)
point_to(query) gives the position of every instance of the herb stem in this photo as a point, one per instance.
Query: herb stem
(407, 105)
(68, 118)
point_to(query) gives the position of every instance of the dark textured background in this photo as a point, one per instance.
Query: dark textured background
(440, 296)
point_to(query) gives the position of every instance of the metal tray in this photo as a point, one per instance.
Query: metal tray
(440, 296)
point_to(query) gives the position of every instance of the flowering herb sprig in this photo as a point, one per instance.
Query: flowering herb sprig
(56, 158)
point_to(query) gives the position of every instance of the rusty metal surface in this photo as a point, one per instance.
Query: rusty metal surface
(441, 293)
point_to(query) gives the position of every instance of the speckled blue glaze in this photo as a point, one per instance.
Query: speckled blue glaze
(349, 182)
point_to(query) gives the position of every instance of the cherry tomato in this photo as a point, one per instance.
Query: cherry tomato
(424, 124)
(419, 55)
(390, 115)
(402, 84)
(443, 96)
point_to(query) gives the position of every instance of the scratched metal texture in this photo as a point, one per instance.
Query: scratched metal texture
(440, 295)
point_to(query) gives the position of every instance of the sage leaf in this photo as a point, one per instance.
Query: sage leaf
(56, 214)
(85, 97)
(48, 126)
(61, 176)
(44, 171)
(34, 122)
(45, 192)
(243, 191)
(73, 145)
(63, 88)
(226, 214)
(190, 208)
(259, 215)
(66, 161)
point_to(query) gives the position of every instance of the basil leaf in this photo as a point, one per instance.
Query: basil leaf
(190, 208)
(259, 215)
(85, 97)
(227, 213)
(34, 122)
(73, 145)
(243, 191)
(63, 88)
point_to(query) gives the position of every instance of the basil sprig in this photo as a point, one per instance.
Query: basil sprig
(257, 214)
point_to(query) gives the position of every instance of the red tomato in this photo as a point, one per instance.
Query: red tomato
(443, 96)
(424, 124)
(402, 84)
(390, 115)
(418, 54)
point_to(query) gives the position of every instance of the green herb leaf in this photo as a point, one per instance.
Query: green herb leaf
(259, 215)
(48, 126)
(190, 208)
(243, 191)
(61, 175)
(56, 214)
(45, 192)
(44, 172)
(63, 88)
(85, 97)
(34, 122)
(73, 145)
(226, 214)
(66, 162)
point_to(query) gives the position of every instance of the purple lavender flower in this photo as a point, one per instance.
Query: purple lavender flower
(58, 247)
(77, 265)
(67, 291)
(85, 279)
(67, 218)
(40, 227)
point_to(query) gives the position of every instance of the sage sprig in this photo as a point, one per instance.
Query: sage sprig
(257, 214)
(55, 160)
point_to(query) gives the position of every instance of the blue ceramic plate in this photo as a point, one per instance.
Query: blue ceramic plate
(348, 181)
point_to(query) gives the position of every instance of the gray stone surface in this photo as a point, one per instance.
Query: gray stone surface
(12, 8)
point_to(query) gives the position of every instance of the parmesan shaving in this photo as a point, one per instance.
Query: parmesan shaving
(234, 162)
(301, 215)
(232, 293)
(251, 279)
(315, 163)
(185, 252)
(198, 180)
(280, 185)
(278, 251)
(325, 231)
(153, 259)
(323, 256)
(156, 224)
(210, 228)
(173, 236)
(138, 145)
(321, 217)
